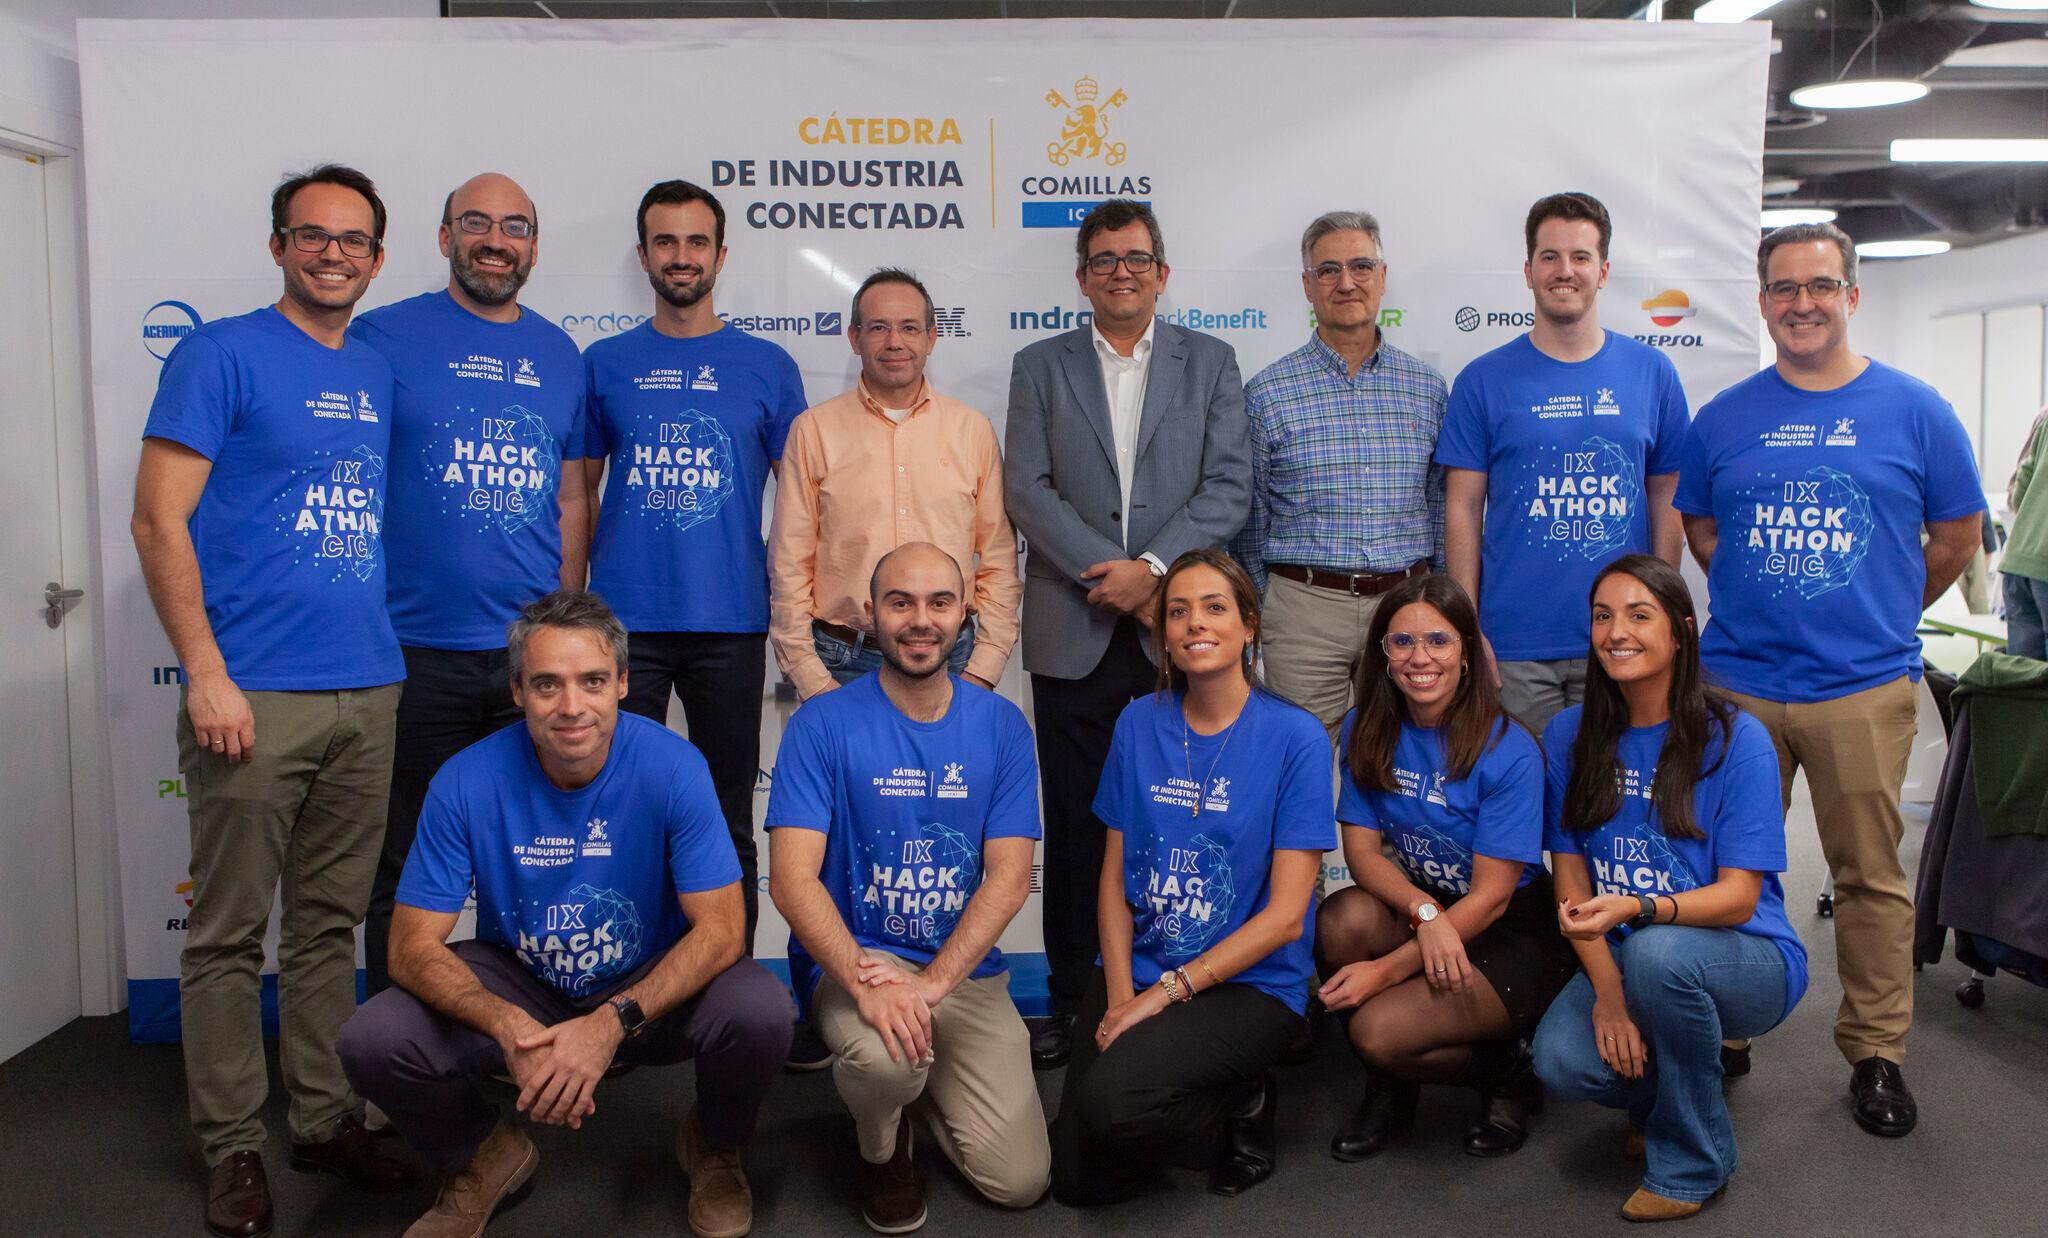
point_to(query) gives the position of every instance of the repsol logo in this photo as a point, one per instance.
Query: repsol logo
(1670, 341)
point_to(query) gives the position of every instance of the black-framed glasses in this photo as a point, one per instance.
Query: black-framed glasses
(1439, 645)
(1136, 263)
(1822, 289)
(1361, 269)
(476, 223)
(310, 240)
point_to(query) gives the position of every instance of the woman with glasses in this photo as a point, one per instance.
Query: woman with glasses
(1667, 834)
(1443, 959)
(1217, 798)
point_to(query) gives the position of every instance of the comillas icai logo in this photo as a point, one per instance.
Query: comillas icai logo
(165, 323)
(1083, 148)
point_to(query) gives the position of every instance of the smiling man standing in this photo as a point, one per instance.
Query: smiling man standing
(259, 509)
(1808, 490)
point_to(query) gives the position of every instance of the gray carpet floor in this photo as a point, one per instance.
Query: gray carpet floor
(93, 1131)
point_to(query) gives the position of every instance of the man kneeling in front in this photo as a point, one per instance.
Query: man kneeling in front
(609, 926)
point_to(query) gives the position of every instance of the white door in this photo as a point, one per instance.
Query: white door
(39, 985)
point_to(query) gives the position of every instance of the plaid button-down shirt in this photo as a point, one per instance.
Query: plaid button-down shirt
(1342, 469)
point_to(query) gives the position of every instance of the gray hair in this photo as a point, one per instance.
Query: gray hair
(1800, 234)
(1340, 221)
(565, 608)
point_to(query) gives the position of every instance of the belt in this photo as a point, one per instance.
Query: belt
(1357, 584)
(852, 636)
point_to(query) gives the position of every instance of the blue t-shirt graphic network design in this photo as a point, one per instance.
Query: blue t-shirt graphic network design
(290, 528)
(1192, 880)
(691, 427)
(1737, 807)
(581, 885)
(1435, 822)
(905, 807)
(486, 413)
(1567, 448)
(1818, 498)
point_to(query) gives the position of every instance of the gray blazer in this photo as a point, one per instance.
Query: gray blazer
(1192, 488)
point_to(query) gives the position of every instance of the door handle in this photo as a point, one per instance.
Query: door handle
(54, 597)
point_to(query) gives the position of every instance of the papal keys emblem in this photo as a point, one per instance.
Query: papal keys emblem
(1085, 132)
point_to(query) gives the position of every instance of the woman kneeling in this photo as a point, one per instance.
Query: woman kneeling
(1447, 959)
(1667, 834)
(1217, 799)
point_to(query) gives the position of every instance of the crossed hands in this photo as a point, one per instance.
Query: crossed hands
(1123, 585)
(557, 1068)
(897, 1002)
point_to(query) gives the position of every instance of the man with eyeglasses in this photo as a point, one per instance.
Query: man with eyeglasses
(691, 413)
(1125, 447)
(1806, 490)
(1346, 497)
(487, 505)
(1561, 452)
(889, 462)
(259, 509)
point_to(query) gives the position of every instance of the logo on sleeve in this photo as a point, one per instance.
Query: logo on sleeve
(596, 841)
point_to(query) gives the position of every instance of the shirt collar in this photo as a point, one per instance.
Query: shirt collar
(1335, 360)
(1140, 353)
(869, 402)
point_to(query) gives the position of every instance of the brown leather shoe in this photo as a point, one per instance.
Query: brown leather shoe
(351, 1154)
(892, 1193)
(503, 1164)
(238, 1197)
(721, 1202)
(1647, 1205)
(1632, 1145)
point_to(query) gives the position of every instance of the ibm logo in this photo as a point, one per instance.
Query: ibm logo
(950, 321)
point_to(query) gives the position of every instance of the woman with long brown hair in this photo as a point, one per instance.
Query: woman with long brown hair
(1442, 960)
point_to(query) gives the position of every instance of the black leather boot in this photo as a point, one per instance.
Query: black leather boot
(1509, 1094)
(1248, 1139)
(1386, 1113)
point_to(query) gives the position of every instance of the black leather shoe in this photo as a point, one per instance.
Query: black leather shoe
(1248, 1140)
(1301, 1047)
(1386, 1114)
(1735, 1062)
(1505, 1107)
(1884, 1104)
(1053, 1042)
(351, 1154)
(238, 1197)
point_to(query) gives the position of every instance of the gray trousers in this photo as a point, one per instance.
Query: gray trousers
(1536, 692)
(422, 1068)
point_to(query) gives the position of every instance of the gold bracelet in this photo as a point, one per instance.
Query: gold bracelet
(1187, 986)
(1203, 959)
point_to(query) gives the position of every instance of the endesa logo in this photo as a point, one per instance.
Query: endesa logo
(165, 323)
(1668, 309)
(600, 324)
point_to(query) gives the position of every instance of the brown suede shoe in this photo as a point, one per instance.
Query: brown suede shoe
(501, 1166)
(1647, 1205)
(892, 1193)
(238, 1197)
(351, 1154)
(721, 1202)
(1632, 1145)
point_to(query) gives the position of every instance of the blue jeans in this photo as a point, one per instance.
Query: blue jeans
(1687, 989)
(849, 662)
(2026, 616)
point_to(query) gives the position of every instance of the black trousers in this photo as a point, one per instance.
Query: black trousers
(1075, 719)
(1163, 1091)
(452, 698)
(720, 677)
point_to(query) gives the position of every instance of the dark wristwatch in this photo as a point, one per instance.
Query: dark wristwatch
(1648, 916)
(630, 1018)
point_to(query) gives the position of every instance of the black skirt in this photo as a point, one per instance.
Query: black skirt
(1523, 956)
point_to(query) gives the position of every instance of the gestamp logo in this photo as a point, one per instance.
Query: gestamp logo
(1084, 126)
(165, 323)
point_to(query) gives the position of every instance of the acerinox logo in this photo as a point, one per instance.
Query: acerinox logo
(1669, 308)
(165, 323)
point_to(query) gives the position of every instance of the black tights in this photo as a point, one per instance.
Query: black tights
(1408, 1030)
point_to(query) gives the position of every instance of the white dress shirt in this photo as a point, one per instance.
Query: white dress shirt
(1123, 379)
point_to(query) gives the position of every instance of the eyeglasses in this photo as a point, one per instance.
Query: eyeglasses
(1819, 289)
(875, 329)
(1361, 269)
(476, 223)
(310, 240)
(1136, 263)
(1442, 646)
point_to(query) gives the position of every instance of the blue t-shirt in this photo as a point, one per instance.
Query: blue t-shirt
(1192, 880)
(1567, 447)
(486, 414)
(691, 428)
(905, 808)
(582, 884)
(1435, 822)
(1818, 498)
(290, 528)
(1737, 807)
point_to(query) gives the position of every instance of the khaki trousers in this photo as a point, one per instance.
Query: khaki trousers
(977, 1095)
(1854, 750)
(309, 811)
(1312, 636)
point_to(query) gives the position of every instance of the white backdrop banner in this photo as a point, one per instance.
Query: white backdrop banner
(964, 150)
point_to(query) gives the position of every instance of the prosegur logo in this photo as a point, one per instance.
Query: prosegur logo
(1667, 309)
(165, 323)
(1470, 318)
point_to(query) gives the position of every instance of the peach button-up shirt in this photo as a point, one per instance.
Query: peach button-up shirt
(855, 486)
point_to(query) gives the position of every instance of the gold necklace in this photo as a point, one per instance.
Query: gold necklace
(1188, 761)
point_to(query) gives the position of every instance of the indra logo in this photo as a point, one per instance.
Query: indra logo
(1084, 127)
(165, 323)
(1668, 309)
